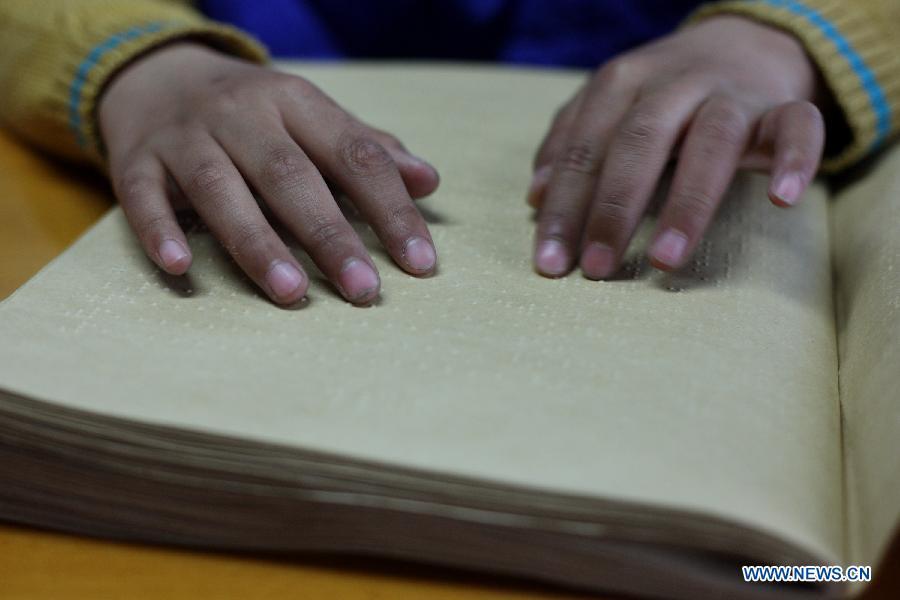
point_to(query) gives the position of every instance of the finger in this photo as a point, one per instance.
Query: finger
(217, 192)
(709, 158)
(141, 188)
(554, 141)
(349, 155)
(561, 217)
(799, 140)
(550, 148)
(637, 156)
(420, 177)
(307, 104)
(298, 196)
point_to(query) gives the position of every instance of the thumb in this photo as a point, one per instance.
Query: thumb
(799, 143)
(789, 144)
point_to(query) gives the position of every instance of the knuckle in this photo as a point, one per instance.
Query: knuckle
(246, 239)
(209, 179)
(135, 186)
(296, 84)
(641, 130)
(557, 223)
(620, 71)
(152, 227)
(362, 154)
(226, 103)
(402, 214)
(298, 89)
(611, 212)
(695, 203)
(800, 157)
(181, 137)
(580, 156)
(283, 169)
(724, 122)
(795, 157)
(326, 234)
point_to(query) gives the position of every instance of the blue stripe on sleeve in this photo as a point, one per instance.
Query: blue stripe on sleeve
(867, 79)
(84, 69)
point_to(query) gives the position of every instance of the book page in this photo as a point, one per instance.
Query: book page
(712, 390)
(866, 230)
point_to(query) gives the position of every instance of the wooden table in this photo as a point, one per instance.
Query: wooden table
(44, 206)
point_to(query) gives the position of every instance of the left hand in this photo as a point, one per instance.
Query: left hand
(724, 94)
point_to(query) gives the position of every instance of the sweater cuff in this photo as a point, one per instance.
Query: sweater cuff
(853, 56)
(105, 51)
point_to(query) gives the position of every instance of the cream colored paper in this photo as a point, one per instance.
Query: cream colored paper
(866, 225)
(712, 390)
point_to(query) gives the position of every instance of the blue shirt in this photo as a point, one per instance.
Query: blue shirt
(582, 33)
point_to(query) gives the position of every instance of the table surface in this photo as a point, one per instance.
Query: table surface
(44, 207)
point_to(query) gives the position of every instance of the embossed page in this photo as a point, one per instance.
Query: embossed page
(711, 390)
(866, 221)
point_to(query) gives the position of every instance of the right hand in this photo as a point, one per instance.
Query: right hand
(219, 127)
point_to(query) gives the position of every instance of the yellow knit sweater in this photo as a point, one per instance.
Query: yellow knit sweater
(56, 57)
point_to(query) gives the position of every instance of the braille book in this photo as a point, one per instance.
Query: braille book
(649, 434)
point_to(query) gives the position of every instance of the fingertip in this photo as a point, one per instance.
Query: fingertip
(786, 190)
(668, 251)
(597, 261)
(797, 133)
(660, 266)
(287, 284)
(174, 257)
(358, 282)
(419, 256)
(551, 259)
(778, 201)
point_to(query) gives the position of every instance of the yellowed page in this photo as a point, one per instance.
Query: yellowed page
(866, 226)
(713, 390)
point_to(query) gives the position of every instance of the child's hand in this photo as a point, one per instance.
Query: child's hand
(727, 93)
(219, 128)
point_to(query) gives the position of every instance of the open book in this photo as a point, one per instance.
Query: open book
(649, 434)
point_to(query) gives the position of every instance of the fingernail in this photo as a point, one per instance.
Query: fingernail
(419, 254)
(788, 188)
(668, 249)
(171, 253)
(538, 182)
(552, 259)
(358, 280)
(283, 279)
(597, 261)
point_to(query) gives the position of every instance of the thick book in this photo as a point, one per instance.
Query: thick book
(648, 435)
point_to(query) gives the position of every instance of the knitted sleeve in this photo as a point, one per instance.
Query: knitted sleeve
(857, 49)
(56, 56)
